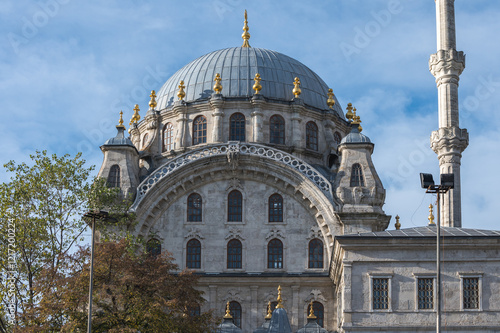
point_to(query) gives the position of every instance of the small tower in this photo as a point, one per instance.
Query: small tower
(358, 185)
(121, 162)
(449, 141)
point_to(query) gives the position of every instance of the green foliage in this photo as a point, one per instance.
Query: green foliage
(44, 203)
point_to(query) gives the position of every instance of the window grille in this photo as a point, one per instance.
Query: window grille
(315, 254)
(194, 208)
(311, 136)
(380, 293)
(234, 254)
(471, 293)
(235, 310)
(426, 293)
(168, 137)
(235, 206)
(114, 176)
(277, 130)
(357, 178)
(275, 254)
(237, 127)
(199, 130)
(276, 208)
(193, 259)
(319, 312)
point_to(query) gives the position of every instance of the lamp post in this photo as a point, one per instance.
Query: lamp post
(447, 182)
(94, 215)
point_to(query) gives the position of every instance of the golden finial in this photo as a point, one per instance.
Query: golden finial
(217, 85)
(296, 87)
(311, 311)
(228, 312)
(354, 117)
(152, 102)
(279, 306)
(257, 86)
(136, 116)
(120, 122)
(269, 312)
(181, 94)
(359, 122)
(397, 225)
(348, 115)
(246, 34)
(330, 101)
(431, 216)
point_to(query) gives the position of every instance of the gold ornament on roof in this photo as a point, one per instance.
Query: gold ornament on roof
(120, 122)
(181, 93)
(228, 312)
(397, 225)
(330, 101)
(349, 114)
(246, 34)
(136, 116)
(311, 311)
(431, 216)
(152, 102)
(360, 129)
(257, 86)
(296, 87)
(217, 85)
(354, 117)
(279, 306)
(269, 312)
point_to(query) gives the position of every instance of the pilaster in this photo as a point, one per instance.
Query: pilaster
(257, 120)
(180, 108)
(217, 103)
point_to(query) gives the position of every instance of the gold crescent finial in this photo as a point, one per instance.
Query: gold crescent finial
(246, 34)
(228, 312)
(181, 93)
(217, 85)
(152, 102)
(330, 101)
(120, 122)
(279, 306)
(431, 216)
(397, 225)
(311, 311)
(349, 114)
(269, 312)
(136, 116)
(296, 88)
(257, 86)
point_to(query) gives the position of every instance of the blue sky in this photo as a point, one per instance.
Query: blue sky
(68, 67)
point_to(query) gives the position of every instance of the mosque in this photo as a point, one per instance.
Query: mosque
(249, 171)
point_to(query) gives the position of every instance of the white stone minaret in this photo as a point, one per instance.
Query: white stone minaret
(449, 141)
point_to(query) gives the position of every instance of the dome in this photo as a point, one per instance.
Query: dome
(237, 67)
(355, 137)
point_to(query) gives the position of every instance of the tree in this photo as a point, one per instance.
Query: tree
(41, 211)
(133, 292)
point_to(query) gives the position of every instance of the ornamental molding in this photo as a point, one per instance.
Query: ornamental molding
(234, 233)
(233, 150)
(315, 232)
(275, 233)
(234, 183)
(231, 295)
(194, 233)
(449, 140)
(447, 62)
(315, 295)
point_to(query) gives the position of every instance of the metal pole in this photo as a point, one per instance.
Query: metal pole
(438, 264)
(89, 325)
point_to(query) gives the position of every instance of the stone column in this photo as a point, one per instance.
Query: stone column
(257, 120)
(449, 141)
(297, 110)
(295, 307)
(217, 103)
(254, 313)
(329, 129)
(180, 109)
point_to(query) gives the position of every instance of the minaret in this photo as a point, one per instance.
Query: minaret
(449, 141)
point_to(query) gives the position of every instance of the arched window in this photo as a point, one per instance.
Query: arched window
(315, 254)
(194, 208)
(275, 208)
(277, 130)
(168, 137)
(235, 310)
(193, 258)
(357, 178)
(235, 206)
(153, 247)
(114, 176)
(234, 253)
(311, 136)
(337, 137)
(145, 140)
(275, 254)
(199, 130)
(237, 127)
(319, 312)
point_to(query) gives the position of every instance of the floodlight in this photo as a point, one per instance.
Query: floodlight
(426, 180)
(447, 180)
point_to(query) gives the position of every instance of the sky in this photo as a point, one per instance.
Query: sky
(68, 67)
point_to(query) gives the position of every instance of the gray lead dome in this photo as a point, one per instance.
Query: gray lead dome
(237, 67)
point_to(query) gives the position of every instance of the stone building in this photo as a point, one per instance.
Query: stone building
(246, 169)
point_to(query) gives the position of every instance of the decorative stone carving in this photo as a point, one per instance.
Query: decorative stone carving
(275, 233)
(232, 295)
(315, 232)
(287, 160)
(315, 295)
(449, 139)
(194, 233)
(234, 233)
(233, 154)
(234, 183)
(447, 62)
